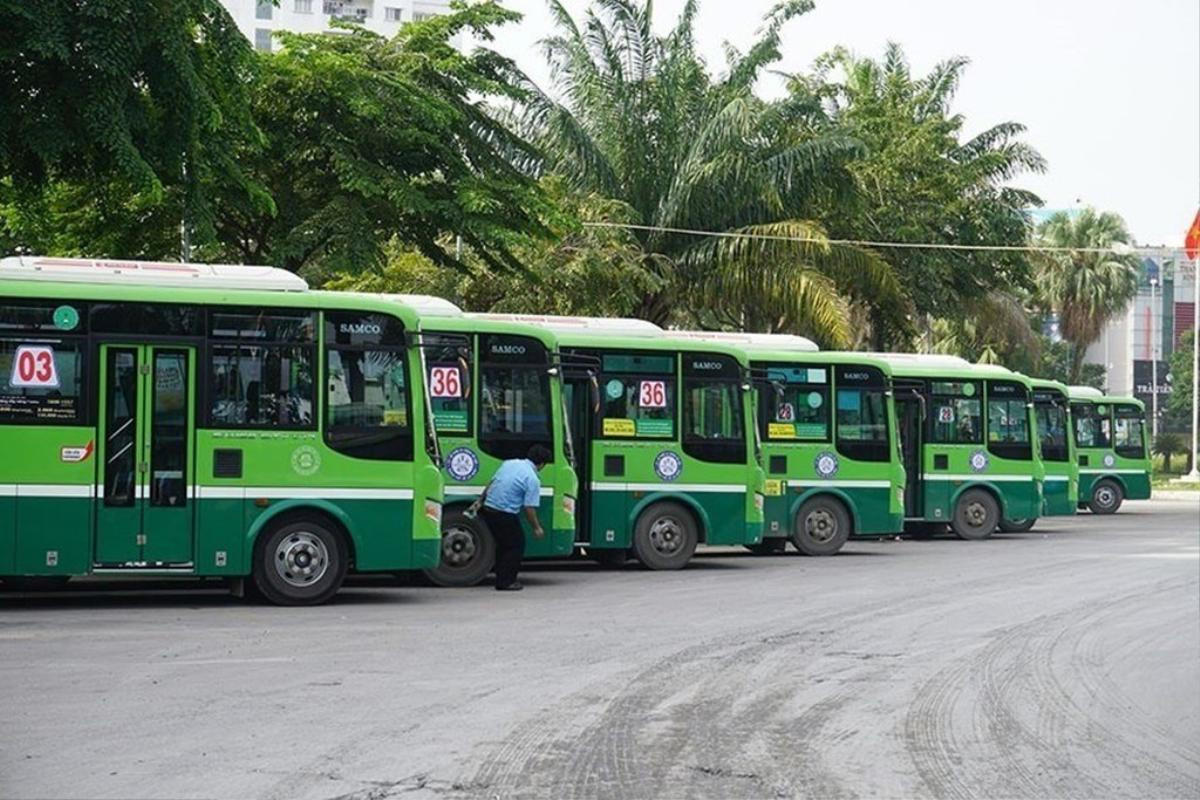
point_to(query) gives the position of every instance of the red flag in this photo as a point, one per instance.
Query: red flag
(1191, 242)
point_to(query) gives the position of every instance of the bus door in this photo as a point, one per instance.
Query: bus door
(910, 416)
(145, 458)
(578, 396)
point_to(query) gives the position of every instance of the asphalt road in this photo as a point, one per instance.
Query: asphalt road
(1060, 663)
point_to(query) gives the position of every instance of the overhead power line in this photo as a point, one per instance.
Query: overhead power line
(1119, 249)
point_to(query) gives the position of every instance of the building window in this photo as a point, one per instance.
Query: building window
(422, 15)
(264, 9)
(262, 39)
(392, 14)
(303, 6)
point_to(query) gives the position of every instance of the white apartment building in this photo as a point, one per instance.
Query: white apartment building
(259, 19)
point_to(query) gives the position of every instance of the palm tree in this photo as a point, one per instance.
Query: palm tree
(642, 121)
(1090, 285)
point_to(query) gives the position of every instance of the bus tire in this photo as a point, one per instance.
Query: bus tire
(1017, 525)
(976, 515)
(821, 527)
(665, 536)
(1107, 496)
(299, 561)
(468, 551)
(768, 547)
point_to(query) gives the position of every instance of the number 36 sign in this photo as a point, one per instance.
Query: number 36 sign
(33, 366)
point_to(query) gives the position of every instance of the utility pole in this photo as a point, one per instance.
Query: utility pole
(1154, 359)
(1194, 475)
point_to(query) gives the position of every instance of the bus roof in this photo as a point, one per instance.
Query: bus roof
(786, 342)
(917, 365)
(1046, 383)
(588, 340)
(1085, 393)
(1094, 395)
(597, 326)
(166, 274)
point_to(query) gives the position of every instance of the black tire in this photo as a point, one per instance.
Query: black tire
(1107, 496)
(976, 515)
(468, 551)
(299, 561)
(769, 547)
(665, 536)
(1017, 525)
(821, 527)
(609, 557)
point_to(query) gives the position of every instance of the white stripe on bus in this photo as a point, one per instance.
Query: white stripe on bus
(1112, 471)
(458, 490)
(298, 492)
(846, 484)
(679, 487)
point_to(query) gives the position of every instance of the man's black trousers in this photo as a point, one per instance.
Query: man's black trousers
(510, 543)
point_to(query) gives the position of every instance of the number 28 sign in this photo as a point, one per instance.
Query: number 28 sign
(33, 366)
(445, 382)
(652, 394)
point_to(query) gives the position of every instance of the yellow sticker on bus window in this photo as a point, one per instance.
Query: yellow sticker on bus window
(394, 416)
(774, 487)
(619, 427)
(781, 430)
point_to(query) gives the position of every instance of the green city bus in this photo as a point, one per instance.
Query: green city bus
(1060, 486)
(494, 394)
(167, 419)
(1112, 449)
(828, 427)
(665, 436)
(966, 435)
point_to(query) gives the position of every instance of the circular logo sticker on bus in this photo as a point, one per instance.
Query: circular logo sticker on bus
(668, 465)
(826, 464)
(968, 389)
(1109, 459)
(462, 464)
(614, 389)
(66, 318)
(815, 399)
(978, 461)
(306, 460)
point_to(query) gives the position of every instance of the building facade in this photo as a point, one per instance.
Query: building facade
(259, 19)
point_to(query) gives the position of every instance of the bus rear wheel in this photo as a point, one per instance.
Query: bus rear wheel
(1017, 525)
(665, 536)
(300, 561)
(468, 552)
(822, 527)
(976, 515)
(768, 547)
(1107, 497)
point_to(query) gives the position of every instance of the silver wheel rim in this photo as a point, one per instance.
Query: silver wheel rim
(459, 547)
(821, 525)
(975, 514)
(1105, 496)
(667, 536)
(301, 559)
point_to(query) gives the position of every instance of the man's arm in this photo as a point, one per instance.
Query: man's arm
(533, 499)
(534, 523)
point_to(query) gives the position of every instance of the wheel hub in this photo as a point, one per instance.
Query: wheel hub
(821, 525)
(975, 514)
(1104, 496)
(458, 547)
(666, 535)
(301, 559)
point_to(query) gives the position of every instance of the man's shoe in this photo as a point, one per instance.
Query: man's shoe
(515, 586)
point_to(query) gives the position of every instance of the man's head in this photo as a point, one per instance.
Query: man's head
(539, 455)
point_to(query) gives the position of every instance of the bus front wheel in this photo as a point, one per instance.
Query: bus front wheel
(822, 527)
(468, 552)
(1017, 525)
(300, 561)
(976, 515)
(1107, 497)
(665, 536)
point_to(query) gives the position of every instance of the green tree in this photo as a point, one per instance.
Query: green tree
(1179, 401)
(371, 140)
(642, 121)
(130, 101)
(1089, 285)
(919, 180)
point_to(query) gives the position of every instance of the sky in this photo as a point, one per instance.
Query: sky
(1109, 91)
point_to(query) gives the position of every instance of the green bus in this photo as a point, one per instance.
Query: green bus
(828, 427)
(966, 435)
(1112, 448)
(665, 436)
(1060, 486)
(167, 419)
(495, 387)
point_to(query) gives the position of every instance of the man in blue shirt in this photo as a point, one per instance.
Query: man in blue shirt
(515, 487)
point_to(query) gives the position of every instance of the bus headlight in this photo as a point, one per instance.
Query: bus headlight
(760, 502)
(569, 504)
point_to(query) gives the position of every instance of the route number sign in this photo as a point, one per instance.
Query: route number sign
(445, 382)
(33, 367)
(652, 394)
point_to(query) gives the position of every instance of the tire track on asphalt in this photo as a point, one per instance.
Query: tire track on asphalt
(1014, 672)
(616, 754)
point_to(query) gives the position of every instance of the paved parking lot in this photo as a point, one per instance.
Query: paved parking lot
(1060, 663)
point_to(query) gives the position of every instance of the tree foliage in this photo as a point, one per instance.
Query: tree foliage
(641, 120)
(1084, 287)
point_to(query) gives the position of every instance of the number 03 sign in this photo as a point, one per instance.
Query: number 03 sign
(33, 366)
